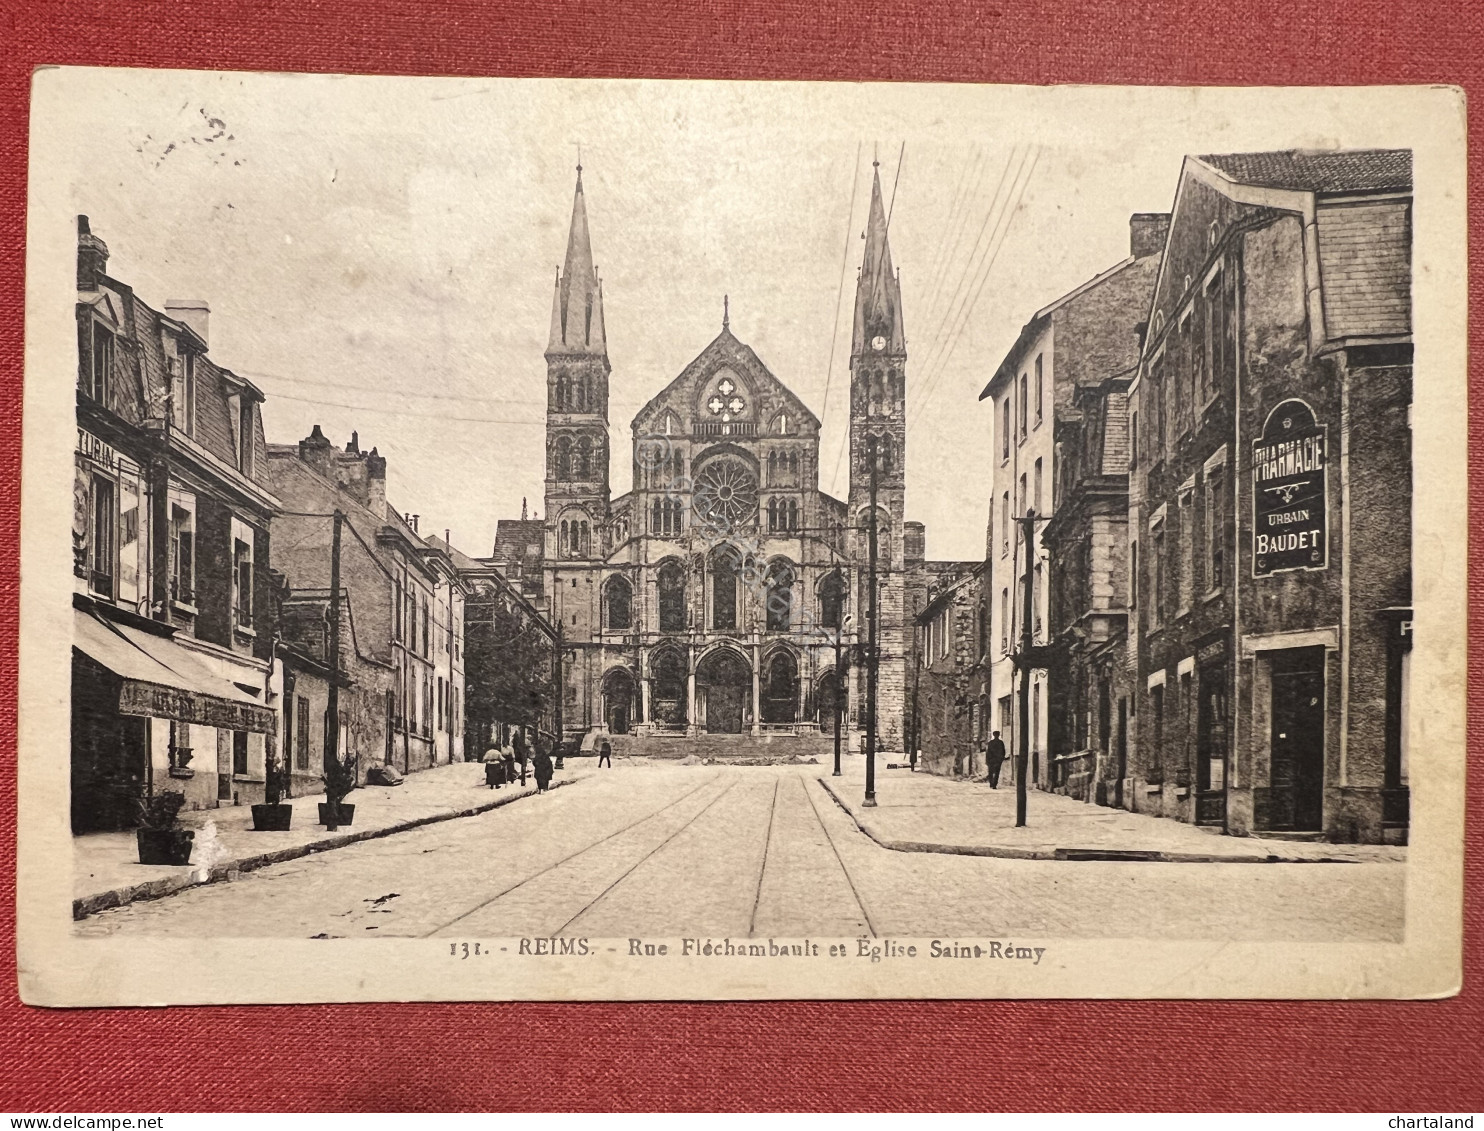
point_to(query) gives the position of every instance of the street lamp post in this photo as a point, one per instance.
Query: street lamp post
(871, 637)
(839, 689)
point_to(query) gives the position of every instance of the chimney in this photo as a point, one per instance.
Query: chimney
(1146, 233)
(192, 311)
(523, 508)
(414, 522)
(376, 484)
(318, 453)
(354, 447)
(92, 257)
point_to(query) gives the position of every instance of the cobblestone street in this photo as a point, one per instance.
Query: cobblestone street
(668, 850)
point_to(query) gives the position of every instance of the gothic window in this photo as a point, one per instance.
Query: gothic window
(672, 597)
(780, 597)
(562, 464)
(586, 545)
(563, 538)
(772, 514)
(657, 518)
(725, 567)
(561, 392)
(783, 424)
(832, 600)
(584, 469)
(617, 599)
(793, 463)
(772, 471)
(793, 514)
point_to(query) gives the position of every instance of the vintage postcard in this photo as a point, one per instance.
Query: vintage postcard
(624, 539)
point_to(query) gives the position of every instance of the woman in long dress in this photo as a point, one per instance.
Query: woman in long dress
(543, 767)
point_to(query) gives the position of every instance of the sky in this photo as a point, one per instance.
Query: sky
(379, 254)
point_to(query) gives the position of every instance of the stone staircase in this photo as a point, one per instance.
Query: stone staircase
(726, 747)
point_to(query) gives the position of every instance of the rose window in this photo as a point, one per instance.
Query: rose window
(726, 493)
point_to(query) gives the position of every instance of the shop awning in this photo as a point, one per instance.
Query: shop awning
(162, 680)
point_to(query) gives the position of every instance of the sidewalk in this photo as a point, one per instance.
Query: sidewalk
(106, 871)
(920, 812)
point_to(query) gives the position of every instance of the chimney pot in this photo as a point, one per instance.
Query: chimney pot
(92, 257)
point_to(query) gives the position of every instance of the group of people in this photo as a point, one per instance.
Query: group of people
(513, 758)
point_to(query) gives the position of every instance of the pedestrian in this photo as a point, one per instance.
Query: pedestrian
(912, 758)
(509, 760)
(542, 764)
(994, 757)
(605, 754)
(494, 768)
(522, 752)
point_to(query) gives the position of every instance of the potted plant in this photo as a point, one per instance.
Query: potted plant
(339, 779)
(161, 841)
(273, 816)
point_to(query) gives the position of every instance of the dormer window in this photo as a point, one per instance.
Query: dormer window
(245, 442)
(97, 368)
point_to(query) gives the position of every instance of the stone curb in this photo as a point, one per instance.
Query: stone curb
(87, 905)
(1007, 852)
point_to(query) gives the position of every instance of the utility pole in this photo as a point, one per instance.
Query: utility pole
(560, 692)
(1025, 661)
(870, 799)
(332, 709)
(840, 686)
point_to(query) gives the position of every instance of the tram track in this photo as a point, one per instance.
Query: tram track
(834, 848)
(763, 867)
(589, 848)
(646, 858)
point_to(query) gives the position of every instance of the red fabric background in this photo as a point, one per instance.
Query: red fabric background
(829, 1055)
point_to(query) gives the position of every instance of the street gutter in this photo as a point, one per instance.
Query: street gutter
(86, 905)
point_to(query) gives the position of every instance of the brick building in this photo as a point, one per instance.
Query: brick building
(173, 684)
(403, 592)
(1270, 500)
(1082, 339)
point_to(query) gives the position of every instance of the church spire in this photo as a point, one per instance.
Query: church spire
(878, 296)
(577, 306)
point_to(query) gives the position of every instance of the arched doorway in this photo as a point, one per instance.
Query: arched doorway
(826, 693)
(668, 693)
(723, 691)
(618, 700)
(780, 689)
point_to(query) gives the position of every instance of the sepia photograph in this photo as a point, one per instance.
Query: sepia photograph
(621, 539)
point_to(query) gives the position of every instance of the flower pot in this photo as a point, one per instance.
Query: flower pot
(342, 818)
(271, 818)
(165, 846)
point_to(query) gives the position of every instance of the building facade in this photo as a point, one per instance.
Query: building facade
(173, 682)
(952, 645)
(710, 597)
(1270, 500)
(1081, 339)
(402, 589)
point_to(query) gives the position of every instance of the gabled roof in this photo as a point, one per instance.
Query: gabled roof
(723, 350)
(1327, 171)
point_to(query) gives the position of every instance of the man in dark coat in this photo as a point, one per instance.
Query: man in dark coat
(605, 754)
(543, 767)
(994, 757)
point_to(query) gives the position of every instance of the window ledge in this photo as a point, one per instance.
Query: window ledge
(183, 772)
(248, 779)
(1155, 787)
(1211, 595)
(185, 607)
(244, 630)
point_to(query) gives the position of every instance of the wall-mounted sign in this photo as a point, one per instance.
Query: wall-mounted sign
(1289, 528)
(92, 448)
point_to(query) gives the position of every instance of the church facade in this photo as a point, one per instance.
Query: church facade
(715, 596)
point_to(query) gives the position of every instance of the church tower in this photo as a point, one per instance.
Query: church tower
(577, 404)
(878, 422)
